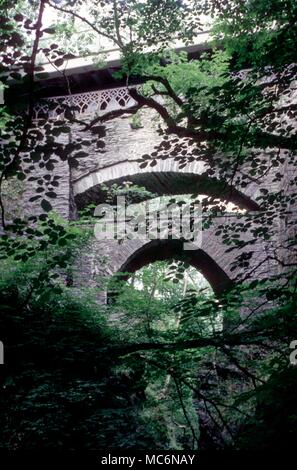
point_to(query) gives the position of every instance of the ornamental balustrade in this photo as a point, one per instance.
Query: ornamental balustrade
(94, 103)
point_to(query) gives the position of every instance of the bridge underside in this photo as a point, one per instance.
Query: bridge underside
(160, 183)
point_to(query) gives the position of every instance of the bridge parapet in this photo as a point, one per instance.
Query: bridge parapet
(95, 103)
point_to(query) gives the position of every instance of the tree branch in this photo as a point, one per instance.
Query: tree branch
(166, 84)
(239, 339)
(172, 128)
(112, 115)
(117, 24)
(89, 23)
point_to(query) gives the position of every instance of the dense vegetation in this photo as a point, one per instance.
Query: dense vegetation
(164, 373)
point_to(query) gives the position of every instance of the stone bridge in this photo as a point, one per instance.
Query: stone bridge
(122, 160)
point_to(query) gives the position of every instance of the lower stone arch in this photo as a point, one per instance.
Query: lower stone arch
(158, 250)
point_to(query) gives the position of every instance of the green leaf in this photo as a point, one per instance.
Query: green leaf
(46, 206)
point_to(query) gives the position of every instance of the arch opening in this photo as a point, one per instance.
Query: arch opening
(161, 250)
(89, 190)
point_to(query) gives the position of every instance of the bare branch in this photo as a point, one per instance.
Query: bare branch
(89, 23)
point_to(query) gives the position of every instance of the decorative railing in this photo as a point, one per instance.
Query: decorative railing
(91, 103)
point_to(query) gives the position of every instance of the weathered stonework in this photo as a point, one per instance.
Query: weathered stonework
(121, 160)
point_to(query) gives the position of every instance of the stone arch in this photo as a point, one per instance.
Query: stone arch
(159, 250)
(103, 259)
(164, 178)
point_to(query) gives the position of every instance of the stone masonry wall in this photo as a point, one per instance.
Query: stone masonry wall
(120, 161)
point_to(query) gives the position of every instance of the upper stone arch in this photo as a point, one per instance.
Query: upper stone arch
(165, 177)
